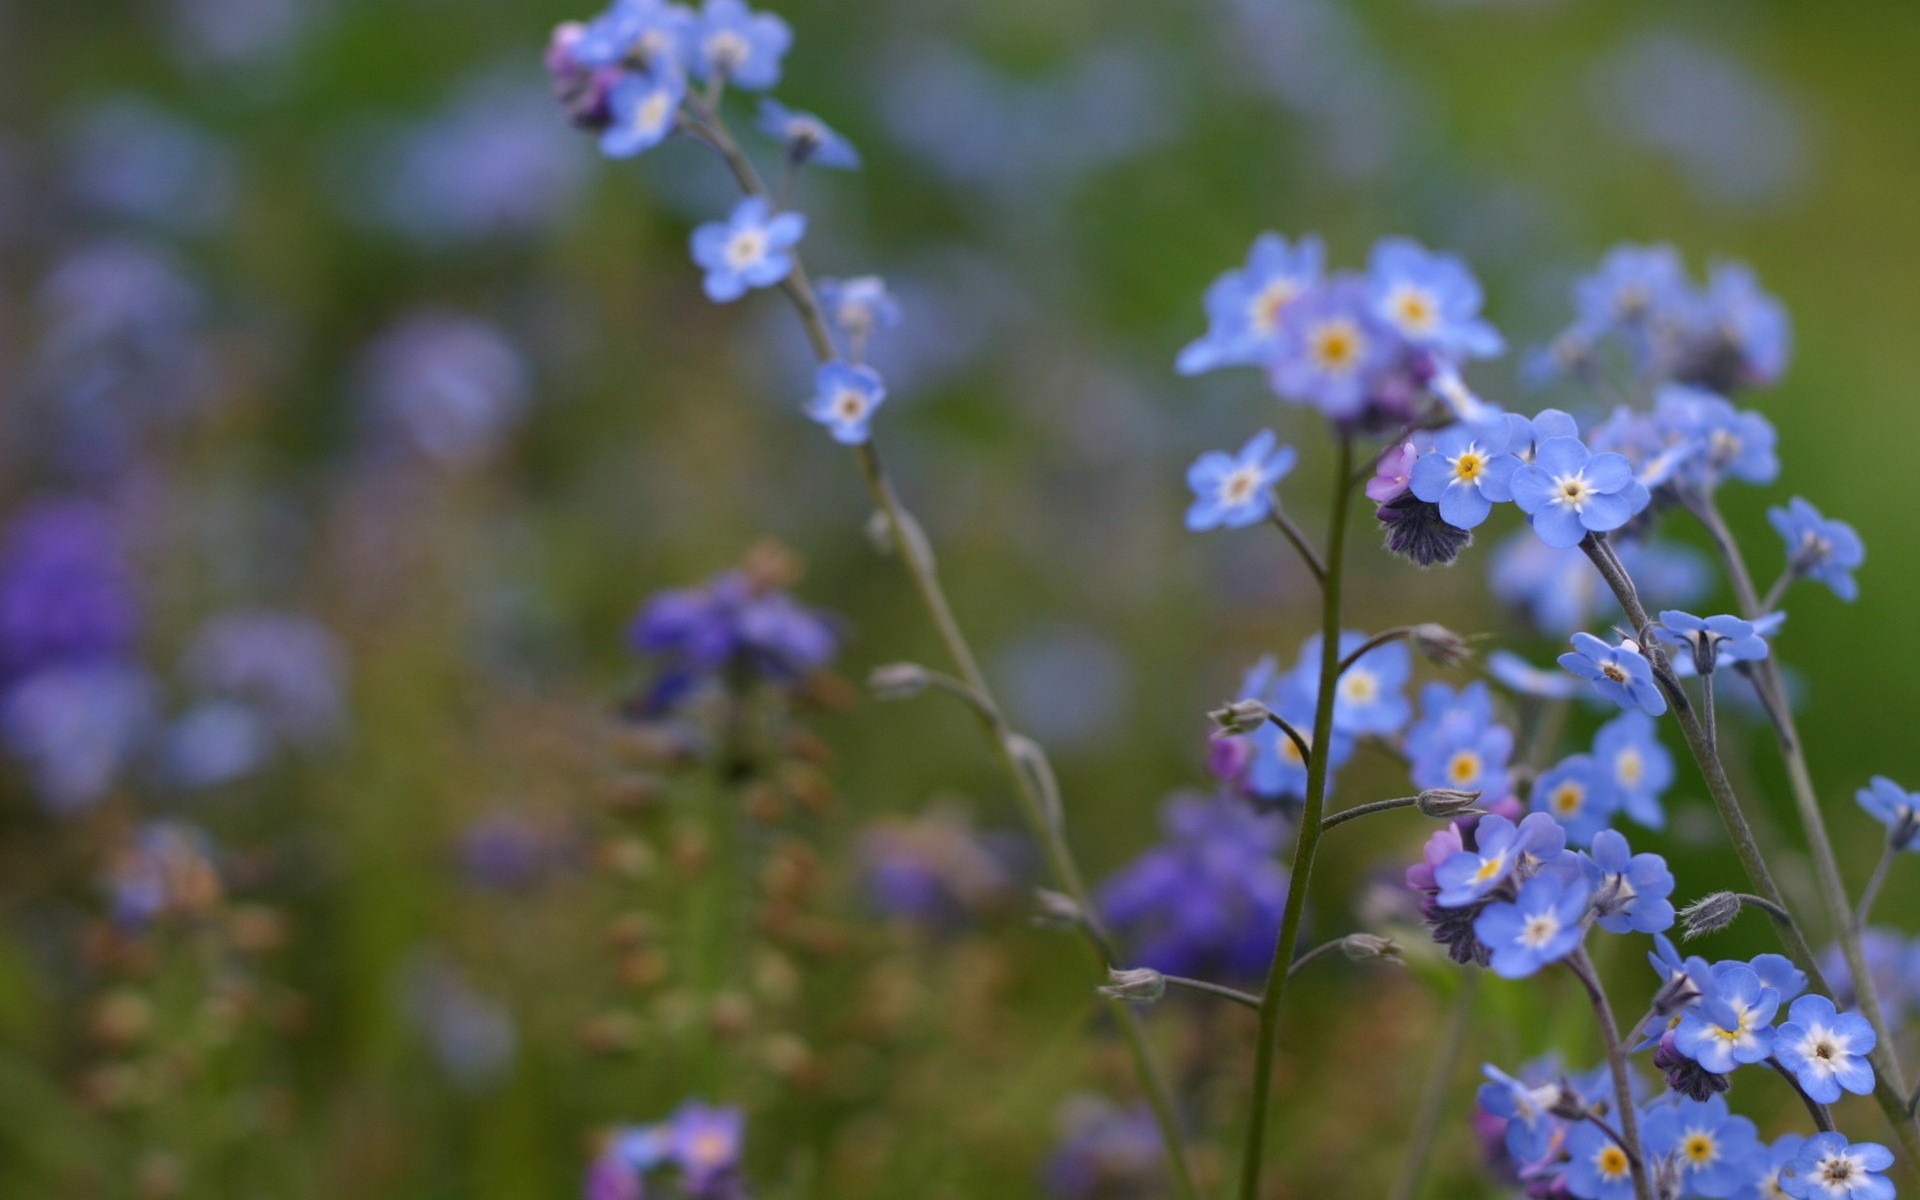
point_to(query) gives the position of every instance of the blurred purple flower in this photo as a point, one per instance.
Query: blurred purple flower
(471, 1033)
(289, 667)
(451, 385)
(1107, 1153)
(129, 160)
(77, 728)
(511, 851)
(67, 593)
(730, 627)
(166, 869)
(936, 871)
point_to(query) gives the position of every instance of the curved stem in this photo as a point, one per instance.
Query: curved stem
(1872, 891)
(1308, 555)
(1244, 999)
(1629, 1136)
(1889, 1075)
(1433, 1101)
(1821, 1117)
(1024, 761)
(1889, 1085)
(1374, 643)
(1367, 810)
(1293, 735)
(1310, 830)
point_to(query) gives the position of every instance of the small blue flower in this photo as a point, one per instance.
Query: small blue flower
(1526, 1108)
(1367, 698)
(1629, 890)
(1752, 324)
(1775, 971)
(1829, 1167)
(1233, 491)
(705, 1143)
(1633, 284)
(1432, 300)
(1597, 1168)
(808, 139)
(1544, 925)
(652, 32)
(1712, 440)
(1893, 806)
(857, 308)
(1628, 749)
(1826, 1049)
(645, 107)
(1568, 491)
(748, 250)
(1466, 473)
(1276, 772)
(1713, 640)
(1731, 1025)
(1448, 717)
(1779, 1156)
(734, 43)
(1469, 759)
(1579, 794)
(1331, 347)
(1501, 847)
(1829, 551)
(845, 398)
(1244, 306)
(1621, 673)
(1526, 679)
(1714, 1151)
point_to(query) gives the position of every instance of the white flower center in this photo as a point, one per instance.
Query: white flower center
(1359, 686)
(1336, 346)
(1263, 311)
(653, 112)
(726, 50)
(1414, 309)
(849, 405)
(1539, 930)
(1239, 485)
(1629, 768)
(746, 247)
(1572, 491)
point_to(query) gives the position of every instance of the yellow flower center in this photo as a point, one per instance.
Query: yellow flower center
(1469, 466)
(1699, 1149)
(1612, 1161)
(1568, 799)
(1629, 768)
(1359, 687)
(1336, 346)
(1464, 767)
(1414, 309)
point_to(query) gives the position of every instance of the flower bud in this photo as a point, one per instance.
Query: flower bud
(1709, 914)
(899, 681)
(1362, 947)
(1444, 804)
(1055, 910)
(1240, 717)
(1901, 833)
(1141, 985)
(1440, 645)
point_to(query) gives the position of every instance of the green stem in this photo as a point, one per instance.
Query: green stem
(1890, 1078)
(1872, 891)
(1310, 829)
(1433, 1101)
(1367, 810)
(1582, 967)
(1032, 778)
(1243, 999)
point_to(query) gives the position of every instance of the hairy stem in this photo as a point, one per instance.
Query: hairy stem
(1025, 763)
(1367, 810)
(1308, 555)
(1629, 1136)
(1244, 999)
(1433, 1100)
(1310, 830)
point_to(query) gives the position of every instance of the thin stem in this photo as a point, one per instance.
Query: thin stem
(1433, 1100)
(1706, 709)
(1604, 1126)
(1817, 1110)
(1890, 1078)
(1308, 554)
(1629, 1136)
(1778, 591)
(1031, 777)
(1244, 999)
(1890, 1086)
(1872, 891)
(1323, 950)
(1293, 735)
(1374, 643)
(1367, 810)
(1309, 839)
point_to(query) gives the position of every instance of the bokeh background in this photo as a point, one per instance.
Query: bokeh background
(326, 312)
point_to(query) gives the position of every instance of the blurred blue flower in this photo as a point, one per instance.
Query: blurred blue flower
(845, 398)
(1500, 848)
(1714, 641)
(1893, 806)
(936, 871)
(1331, 346)
(1367, 697)
(1714, 1150)
(734, 625)
(287, 666)
(1244, 306)
(67, 593)
(1629, 890)
(1579, 793)
(1457, 744)
(653, 33)
(807, 138)
(216, 742)
(857, 309)
(1106, 1152)
(1523, 677)
(1234, 491)
(1627, 750)
(743, 47)
(472, 1034)
(643, 107)
(1433, 300)
(164, 870)
(1207, 899)
(748, 250)
(1829, 551)
(511, 851)
(129, 160)
(1597, 1168)
(705, 1143)
(451, 386)
(77, 729)
(250, 35)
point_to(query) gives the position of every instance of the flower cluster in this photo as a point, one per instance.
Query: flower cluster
(699, 1145)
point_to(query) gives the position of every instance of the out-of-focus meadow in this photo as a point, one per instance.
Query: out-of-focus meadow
(357, 405)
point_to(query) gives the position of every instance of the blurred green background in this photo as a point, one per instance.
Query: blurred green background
(1050, 185)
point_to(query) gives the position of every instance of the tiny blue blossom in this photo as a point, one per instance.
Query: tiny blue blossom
(1597, 1168)
(858, 308)
(1367, 698)
(1233, 491)
(1893, 806)
(1620, 673)
(1578, 793)
(743, 47)
(1633, 283)
(1432, 300)
(1244, 306)
(1829, 551)
(1629, 890)
(748, 250)
(1733, 1024)
(1714, 1150)
(1523, 677)
(1569, 491)
(1448, 717)
(1275, 771)
(1531, 1126)
(1779, 1156)
(1467, 472)
(1470, 759)
(1331, 346)
(1751, 324)
(1543, 925)
(1718, 639)
(1712, 439)
(1829, 1167)
(652, 32)
(808, 139)
(645, 106)
(1826, 1049)
(845, 397)
(1777, 972)
(1628, 749)
(1501, 847)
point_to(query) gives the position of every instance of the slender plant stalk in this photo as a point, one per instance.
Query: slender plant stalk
(1872, 891)
(1889, 1085)
(1308, 555)
(1582, 967)
(1818, 1111)
(1433, 1099)
(1367, 810)
(1310, 829)
(1243, 999)
(1025, 762)
(1826, 865)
